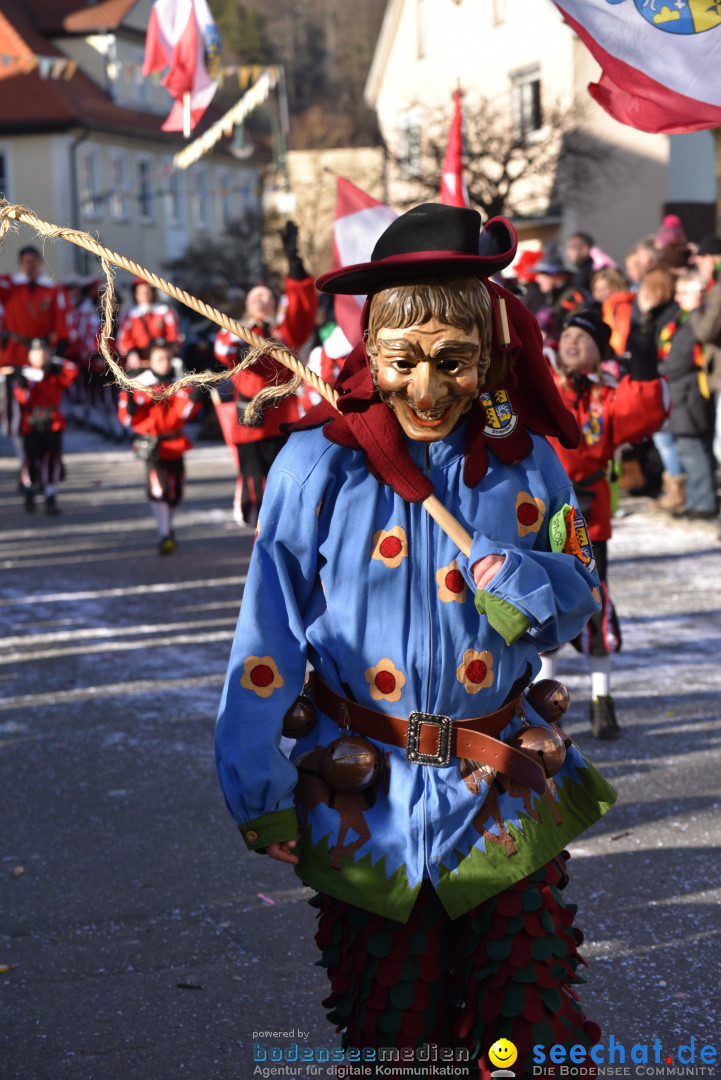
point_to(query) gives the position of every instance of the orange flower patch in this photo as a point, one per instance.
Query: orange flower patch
(451, 584)
(530, 513)
(476, 671)
(390, 546)
(385, 681)
(260, 674)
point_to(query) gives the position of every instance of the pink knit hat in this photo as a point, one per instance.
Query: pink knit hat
(670, 231)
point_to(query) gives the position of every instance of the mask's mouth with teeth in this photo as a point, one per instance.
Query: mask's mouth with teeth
(430, 419)
(438, 412)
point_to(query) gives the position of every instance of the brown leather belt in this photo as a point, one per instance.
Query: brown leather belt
(432, 738)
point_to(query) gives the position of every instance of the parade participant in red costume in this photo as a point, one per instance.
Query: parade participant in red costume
(147, 321)
(34, 307)
(160, 441)
(407, 803)
(257, 447)
(38, 390)
(609, 414)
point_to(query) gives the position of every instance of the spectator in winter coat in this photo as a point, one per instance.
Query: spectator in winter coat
(605, 282)
(706, 323)
(692, 418)
(654, 308)
(608, 416)
(578, 253)
(559, 296)
(257, 447)
(38, 390)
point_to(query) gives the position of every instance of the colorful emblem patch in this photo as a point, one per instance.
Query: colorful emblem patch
(385, 681)
(476, 671)
(390, 546)
(261, 675)
(451, 584)
(592, 430)
(530, 513)
(501, 420)
(577, 539)
(680, 16)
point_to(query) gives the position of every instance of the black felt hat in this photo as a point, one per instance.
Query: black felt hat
(426, 241)
(710, 245)
(551, 262)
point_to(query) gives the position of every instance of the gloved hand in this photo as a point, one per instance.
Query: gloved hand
(289, 236)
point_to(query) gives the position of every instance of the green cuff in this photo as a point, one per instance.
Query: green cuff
(267, 829)
(503, 617)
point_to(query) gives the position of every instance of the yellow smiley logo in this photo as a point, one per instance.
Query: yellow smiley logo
(503, 1053)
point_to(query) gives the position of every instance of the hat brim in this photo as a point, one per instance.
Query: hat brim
(497, 250)
(549, 268)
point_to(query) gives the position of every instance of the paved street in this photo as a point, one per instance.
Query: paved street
(142, 941)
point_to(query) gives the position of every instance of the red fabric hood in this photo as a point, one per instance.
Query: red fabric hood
(499, 421)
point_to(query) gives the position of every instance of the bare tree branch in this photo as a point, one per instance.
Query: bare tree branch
(561, 164)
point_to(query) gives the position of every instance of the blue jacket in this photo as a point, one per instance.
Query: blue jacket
(367, 588)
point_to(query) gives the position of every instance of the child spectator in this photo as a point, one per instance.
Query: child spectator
(160, 441)
(608, 416)
(692, 417)
(38, 390)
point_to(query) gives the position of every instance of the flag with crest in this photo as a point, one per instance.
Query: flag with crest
(661, 60)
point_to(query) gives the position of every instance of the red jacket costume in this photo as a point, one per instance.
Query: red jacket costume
(608, 416)
(84, 330)
(144, 324)
(39, 392)
(32, 309)
(159, 418)
(296, 327)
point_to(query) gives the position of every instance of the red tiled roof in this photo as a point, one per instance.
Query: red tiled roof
(29, 103)
(59, 104)
(18, 38)
(74, 16)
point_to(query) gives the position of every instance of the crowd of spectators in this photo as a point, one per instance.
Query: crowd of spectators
(668, 288)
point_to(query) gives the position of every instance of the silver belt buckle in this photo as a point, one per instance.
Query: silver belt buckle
(413, 739)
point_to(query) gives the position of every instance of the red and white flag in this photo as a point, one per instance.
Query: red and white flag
(183, 37)
(453, 185)
(661, 60)
(359, 222)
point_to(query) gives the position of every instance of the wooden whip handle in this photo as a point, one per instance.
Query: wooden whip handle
(451, 527)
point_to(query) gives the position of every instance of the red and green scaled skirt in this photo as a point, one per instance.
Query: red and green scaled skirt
(504, 970)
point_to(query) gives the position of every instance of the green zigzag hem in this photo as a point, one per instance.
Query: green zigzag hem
(480, 875)
(361, 883)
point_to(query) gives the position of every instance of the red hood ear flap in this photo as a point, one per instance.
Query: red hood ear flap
(530, 382)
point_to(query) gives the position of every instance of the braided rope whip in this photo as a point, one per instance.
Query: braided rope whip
(260, 346)
(10, 213)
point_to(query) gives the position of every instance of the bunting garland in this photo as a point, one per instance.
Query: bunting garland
(59, 67)
(48, 67)
(250, 100)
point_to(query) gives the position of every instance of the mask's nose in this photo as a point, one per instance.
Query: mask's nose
(424, 390)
